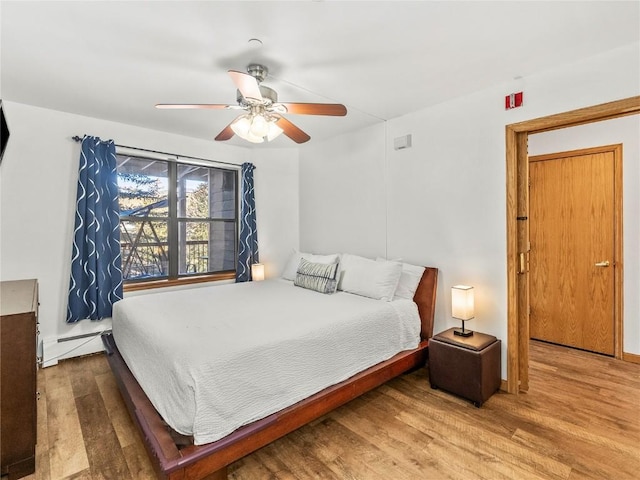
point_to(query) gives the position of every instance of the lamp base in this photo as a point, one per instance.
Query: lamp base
(462, 333)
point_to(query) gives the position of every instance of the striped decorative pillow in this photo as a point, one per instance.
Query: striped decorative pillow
(320, 277)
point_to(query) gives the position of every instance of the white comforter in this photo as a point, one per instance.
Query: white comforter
(215, 358)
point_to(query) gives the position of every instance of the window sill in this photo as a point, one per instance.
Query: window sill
(150, 284)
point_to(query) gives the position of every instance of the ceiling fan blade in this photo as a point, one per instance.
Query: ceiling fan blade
(333, 109)
(213, 106)
(291, 131)
(225, 134)
(247, 85)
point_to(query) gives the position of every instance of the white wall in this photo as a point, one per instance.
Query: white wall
(624, 130)
(37, 201)
(445, 197)
(276, 192)
(342, 194)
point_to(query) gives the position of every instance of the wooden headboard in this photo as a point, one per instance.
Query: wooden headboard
(425, 298)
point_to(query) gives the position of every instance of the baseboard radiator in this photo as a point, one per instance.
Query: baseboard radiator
(54, 349)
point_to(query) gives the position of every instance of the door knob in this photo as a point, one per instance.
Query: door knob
(603, 264)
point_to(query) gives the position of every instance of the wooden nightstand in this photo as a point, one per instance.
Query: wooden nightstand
(466, 366)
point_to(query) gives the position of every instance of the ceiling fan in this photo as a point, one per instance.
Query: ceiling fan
(263, 120)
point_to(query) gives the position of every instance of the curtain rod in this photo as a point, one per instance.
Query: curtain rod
(77, 138)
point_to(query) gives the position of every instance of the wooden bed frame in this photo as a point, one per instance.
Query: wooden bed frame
(173, 460)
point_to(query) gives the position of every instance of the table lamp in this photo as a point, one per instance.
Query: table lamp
(462, 307)
(257, 272)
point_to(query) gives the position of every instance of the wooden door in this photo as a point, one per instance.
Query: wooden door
(572, 258)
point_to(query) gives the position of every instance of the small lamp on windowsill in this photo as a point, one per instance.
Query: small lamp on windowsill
(462, 307)
(257, 272)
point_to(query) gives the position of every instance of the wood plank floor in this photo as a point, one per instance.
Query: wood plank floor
(580, 420)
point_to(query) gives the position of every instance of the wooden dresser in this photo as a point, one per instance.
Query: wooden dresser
(18, 367)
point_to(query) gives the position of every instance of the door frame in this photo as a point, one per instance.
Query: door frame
(516, 136)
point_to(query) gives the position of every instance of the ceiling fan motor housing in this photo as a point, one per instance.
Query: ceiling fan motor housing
(259, 72)
(269, 95)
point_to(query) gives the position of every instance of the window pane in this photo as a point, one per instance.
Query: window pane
(223, 246)
(224, 194)
(144, 249)
(142, 186)
(205, 193)
(206, 247)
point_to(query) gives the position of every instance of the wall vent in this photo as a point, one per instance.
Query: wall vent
(403, 142)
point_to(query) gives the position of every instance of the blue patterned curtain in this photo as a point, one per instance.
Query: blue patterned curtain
(248, 248)
(96, 273)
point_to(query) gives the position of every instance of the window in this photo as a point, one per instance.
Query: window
(176, 219)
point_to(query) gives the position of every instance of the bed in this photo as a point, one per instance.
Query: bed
(179, 446)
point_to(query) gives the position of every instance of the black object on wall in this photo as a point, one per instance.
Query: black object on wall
(4, 131)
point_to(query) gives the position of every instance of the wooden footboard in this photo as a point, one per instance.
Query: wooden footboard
(210, 461)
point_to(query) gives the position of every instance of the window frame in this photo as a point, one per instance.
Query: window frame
(174, 277)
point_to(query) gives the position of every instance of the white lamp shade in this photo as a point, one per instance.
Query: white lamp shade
(257, 272)
(259, 126)
(274, 131)
(462, 304)
(240, 125)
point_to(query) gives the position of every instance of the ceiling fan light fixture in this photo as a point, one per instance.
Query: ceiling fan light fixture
(241, 126)
(256, 128)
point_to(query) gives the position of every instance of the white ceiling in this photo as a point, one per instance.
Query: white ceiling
(115, 60)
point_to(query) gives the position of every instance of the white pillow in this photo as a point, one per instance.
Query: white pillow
(409, 280)
(291, 269)
(369, 278)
